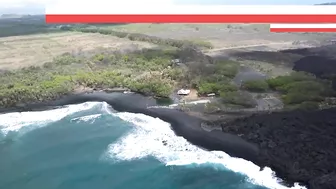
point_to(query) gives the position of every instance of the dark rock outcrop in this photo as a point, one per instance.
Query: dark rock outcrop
(317, 65)
(327, 49)
(298, 146)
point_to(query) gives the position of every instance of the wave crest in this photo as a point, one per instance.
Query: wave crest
(149, 137)
(13, 122)
(154, 137)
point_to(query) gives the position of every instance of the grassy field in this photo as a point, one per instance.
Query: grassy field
(34, 50)
(153, 28)
(216, 34)
(220, 35)
(82, 56)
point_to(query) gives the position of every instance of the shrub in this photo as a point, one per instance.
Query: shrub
(238, 98)
(65, 59)
(205, 87)
(226, 68)
(301, 89)
(255, 85)
(280, 81)
(298, 97)
(144, 37)
(205, 44)
(308, 105)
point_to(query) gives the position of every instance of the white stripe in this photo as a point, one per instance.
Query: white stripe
(144, 8)
(303, 26)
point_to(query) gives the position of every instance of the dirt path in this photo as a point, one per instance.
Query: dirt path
(246, 46)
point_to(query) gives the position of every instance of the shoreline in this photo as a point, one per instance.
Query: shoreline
(287, 142)
(182, 123)
(297, 145)
(185, 124)
(189, 127)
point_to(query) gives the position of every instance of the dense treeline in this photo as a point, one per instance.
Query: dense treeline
(14, 25)
(149, 72)
(298, 90)
(152, 72)
(301, 90)
(255, 85)
(25, 25)
(215, 78)
(141, 37)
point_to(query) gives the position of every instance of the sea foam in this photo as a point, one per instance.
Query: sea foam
(148, 137)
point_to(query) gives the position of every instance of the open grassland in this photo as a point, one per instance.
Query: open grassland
(154, 28)
(34, 50)
(198, 33)
(85, 57)
(222, 35)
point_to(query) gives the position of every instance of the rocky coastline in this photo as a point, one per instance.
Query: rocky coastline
(183, 124)
(297, 145)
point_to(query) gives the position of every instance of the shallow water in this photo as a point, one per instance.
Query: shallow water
(88, 146)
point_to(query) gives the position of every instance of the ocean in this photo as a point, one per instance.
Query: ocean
(90, 146)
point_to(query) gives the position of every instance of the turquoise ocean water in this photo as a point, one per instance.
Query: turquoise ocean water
(88, 146)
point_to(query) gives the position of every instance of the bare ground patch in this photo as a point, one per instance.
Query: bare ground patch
(34, 50)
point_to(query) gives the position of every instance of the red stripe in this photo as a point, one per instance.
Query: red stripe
(82, 18)
(303, 30)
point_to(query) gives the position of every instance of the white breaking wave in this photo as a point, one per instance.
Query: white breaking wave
(154, 137)
(149, 137)
(19, 120)
(89, 118)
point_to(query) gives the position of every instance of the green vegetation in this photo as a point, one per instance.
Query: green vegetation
(141, 37)
(301, 90)
(228, 69)
(280, 81)
(13, 25)
(238, 98)
(147, 72)
(255, 85)
(206, 87)
(308, 105)
(216, 78)
(205, 44)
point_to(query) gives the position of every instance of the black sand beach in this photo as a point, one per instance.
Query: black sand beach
(182, 123)
(298, 146)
